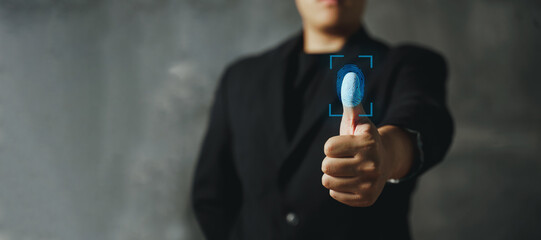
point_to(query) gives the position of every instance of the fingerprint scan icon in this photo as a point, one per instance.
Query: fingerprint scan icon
(350, 84)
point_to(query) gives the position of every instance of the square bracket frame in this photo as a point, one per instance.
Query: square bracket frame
(371, 114)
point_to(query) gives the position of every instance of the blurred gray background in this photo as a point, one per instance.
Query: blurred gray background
(103, 105)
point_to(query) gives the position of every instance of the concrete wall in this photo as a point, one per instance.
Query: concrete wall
(103, 105)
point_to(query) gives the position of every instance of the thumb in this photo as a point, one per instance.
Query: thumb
(352, 91)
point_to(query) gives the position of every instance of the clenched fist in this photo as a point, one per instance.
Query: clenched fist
(359, 162)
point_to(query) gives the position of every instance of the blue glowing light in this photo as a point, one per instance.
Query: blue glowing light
(356, 93)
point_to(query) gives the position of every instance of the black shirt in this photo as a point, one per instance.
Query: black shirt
(301, 89)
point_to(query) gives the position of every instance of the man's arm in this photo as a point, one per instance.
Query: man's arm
(418, 104)
(401, 147)
(363, 158)
(216, 192)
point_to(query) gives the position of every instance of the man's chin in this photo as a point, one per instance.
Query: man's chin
(329, 23)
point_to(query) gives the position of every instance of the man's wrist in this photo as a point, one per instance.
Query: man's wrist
(399, 148)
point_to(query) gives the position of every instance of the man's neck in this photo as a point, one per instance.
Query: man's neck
(318, 41)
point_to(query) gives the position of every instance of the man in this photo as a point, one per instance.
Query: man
(271, 166)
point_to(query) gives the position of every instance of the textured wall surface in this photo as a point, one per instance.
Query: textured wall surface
(103, 105)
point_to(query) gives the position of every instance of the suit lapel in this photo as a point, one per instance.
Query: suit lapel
(279, 70)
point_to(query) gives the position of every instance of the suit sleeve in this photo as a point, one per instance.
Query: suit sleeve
(216, 190)
(418, 104)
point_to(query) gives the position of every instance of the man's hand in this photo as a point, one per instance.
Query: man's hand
(359, 162)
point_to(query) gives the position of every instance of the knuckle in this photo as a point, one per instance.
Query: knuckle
(368, 129)
(358, 158)
(369, 144)
(328, 167)
(367, 137)
(371, 128)
(358, 169)
(325, 166)
(332, 194)
(370, 166)
(326, 181)
(357, 140)
(366, 145)
(366, 186)
(358, 198)
(329, 146)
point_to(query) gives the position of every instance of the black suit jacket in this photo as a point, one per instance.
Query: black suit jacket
(251, 182)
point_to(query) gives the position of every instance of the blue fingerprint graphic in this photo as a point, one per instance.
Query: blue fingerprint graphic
(353, 91)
